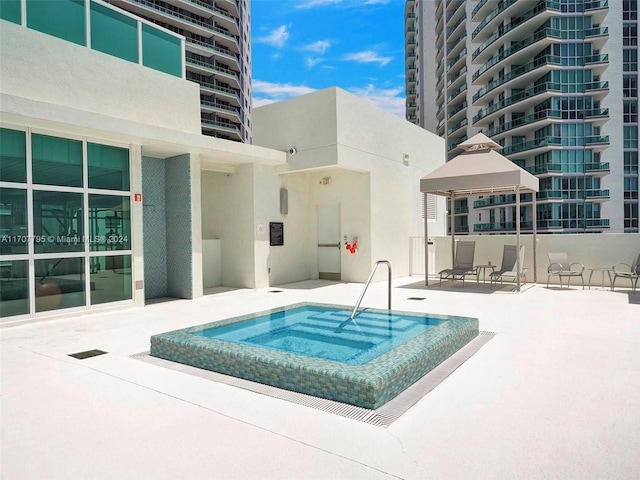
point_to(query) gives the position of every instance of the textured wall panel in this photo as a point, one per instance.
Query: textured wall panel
(154, 227)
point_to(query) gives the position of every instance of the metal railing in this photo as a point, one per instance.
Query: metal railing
(364, 290)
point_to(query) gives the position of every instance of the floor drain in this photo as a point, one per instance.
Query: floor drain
(417, 298)
(87, 354)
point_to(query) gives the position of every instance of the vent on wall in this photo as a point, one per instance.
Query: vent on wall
(431, 206)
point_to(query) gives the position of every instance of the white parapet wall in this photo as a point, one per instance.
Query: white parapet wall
(594, 251)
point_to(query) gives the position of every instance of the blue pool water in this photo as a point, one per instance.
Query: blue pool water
(315, 332)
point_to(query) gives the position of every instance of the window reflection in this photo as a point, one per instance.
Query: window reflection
(59, 283)
(14, 288)
(56, 161)
(108, 167)
(13, 156)
(110, 279)
(13, 221)
(57, 222)
(109, 222)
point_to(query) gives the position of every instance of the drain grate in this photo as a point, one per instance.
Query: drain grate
(383, 416)
(87, 354)
(417, 298)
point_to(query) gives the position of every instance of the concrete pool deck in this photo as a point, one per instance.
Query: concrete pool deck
(555, 394)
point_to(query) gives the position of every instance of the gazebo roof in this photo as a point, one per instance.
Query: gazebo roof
(480, 169)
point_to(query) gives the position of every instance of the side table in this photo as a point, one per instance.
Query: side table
(608, 271)
(483, 269)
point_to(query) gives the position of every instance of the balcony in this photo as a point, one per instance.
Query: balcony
(547, 60)
(160, 13)
(227, 111)
(214, 89)
(552, 6)
(547, 33)
(502, 6)
(596, 195)
(501, 200)
(501, 226)
(597, 169)
(455, 94)
(208, 49)
(552, 88)
(224, 127)
(457, 126)
(547, 168)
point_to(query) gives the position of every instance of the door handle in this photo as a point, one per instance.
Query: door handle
(329, 245)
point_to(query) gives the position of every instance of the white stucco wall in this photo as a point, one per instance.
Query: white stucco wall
(227, 214)
(375, 162)
(58, 72)
(593, 251)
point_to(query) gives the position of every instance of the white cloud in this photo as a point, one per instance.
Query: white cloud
(265, 93)
(376, 2)
(367, 56)
(389, 99)
(316, 3)
(276, 38)
(312, 62)
(320, 46)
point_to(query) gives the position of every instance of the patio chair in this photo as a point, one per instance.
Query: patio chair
(559, 266)
(624, 270)
(509, 266)
(462, 264)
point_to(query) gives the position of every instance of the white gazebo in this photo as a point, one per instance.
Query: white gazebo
(480, 170)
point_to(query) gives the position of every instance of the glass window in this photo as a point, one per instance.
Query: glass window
(109, 222)
(161, 51)
(108, 167)
(59, 283)
(57, 222)
(13, 156)
(60, 18)
(13, 221)
(110, 279)
(14, 288)
(10, 11)
(114, 33)
(56, 161)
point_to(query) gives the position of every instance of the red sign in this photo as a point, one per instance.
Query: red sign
(137, 197)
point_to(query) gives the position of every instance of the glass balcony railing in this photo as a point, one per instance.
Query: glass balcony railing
(548, 87)
(501, 200)
(541, 7)
(555, 141)
(460, 107)
(546, 168)
(519, 71)
(501, 226)
(596, 5)
(596, 167)
(453, 95)
(542, 34)
(596, 193)
(502, 6)
(457, 126)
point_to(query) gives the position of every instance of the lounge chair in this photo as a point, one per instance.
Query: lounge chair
(509, 267)
(559, 266)
(624, 270)
(462, 264)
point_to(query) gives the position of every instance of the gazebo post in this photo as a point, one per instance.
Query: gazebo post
(535, 238)
(426, 242)
(518, 266)
(452, 202)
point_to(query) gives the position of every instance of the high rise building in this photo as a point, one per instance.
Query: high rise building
(555, 83)
(218, 56)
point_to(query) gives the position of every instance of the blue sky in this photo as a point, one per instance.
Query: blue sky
(299, 46)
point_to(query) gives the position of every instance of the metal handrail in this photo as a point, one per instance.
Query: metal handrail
(364, 290)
